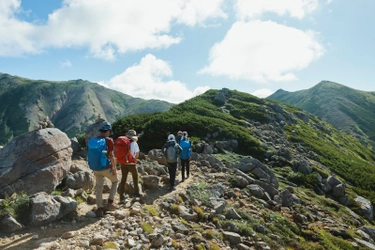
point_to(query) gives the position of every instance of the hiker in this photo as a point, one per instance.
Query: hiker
(179, 137)
(130, 166)
(185, 155)
(109, 172)
(171, 150)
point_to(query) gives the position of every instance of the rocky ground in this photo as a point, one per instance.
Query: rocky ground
(164, 219)
(121, 229)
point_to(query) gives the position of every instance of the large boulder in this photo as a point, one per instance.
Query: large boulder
(157, 155)
(366, 210)
(45, 208)
(261, 171)
(35, 161)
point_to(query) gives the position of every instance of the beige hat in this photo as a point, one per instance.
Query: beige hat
(132, 135)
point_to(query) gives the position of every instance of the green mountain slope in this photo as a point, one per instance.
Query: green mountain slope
(350, 110)
(70, 105)
(235, 115)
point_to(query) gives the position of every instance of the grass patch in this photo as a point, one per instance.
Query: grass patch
(147, 228)
(151, 210)
(17, 206)
(213, 246)
(200, 192)
(109, 245)
(199, 211)
(175, 209)
(209, 234)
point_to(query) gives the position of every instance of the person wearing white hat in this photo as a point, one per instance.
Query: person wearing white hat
(131, 167)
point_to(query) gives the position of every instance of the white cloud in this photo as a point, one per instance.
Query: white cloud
(107, 28)
(263, 51)
(197, 11)
(66, 64)
(262, 93)
(15, 34)
(146, 80)
(295, 8)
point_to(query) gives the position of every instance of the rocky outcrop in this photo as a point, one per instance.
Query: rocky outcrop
(46, 208)
(35, 161)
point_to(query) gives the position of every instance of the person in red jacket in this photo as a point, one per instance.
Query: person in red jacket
(130, 167)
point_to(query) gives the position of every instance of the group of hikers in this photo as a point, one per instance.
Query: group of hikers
(104, 153)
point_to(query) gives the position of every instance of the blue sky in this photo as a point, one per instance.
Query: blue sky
(175, 49)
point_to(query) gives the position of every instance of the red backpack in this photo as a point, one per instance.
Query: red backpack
(122, 152)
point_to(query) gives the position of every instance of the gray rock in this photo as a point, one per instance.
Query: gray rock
(46, 153)
(150, 181)
(218, 204)
(46, 209)
(367, 210)
(180, 228)
(256, 190)
(248, 165)
(9, 224)
(80, 179)
(339, 190)
(157, 240)
(231, 214)
(369, 230)
(240, 182)
(233, 238)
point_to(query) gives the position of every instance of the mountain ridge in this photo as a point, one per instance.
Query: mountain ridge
(346, 108)
(70, 105)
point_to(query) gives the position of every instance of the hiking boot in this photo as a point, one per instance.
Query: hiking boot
(99, 212)
(111, 206)
(122, 199)
(137, 195)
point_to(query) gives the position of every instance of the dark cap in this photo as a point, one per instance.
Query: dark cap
(105, 127)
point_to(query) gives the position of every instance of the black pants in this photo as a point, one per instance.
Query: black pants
(172, 172)
(185, 165)
(125, 169)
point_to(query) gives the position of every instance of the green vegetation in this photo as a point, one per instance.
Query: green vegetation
(200, 191)
(341, 153)
(175, 209)
(200, 117)
(16, 206)
(199, 211)
(350, 110)
(146, 227)
(151, 210)
(109, 245)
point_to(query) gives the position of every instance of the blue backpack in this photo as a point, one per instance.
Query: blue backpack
(97, 154)
(185, 153)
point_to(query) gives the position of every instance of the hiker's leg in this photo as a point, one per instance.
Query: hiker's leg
(134, 172)
(171, 182)
(187, 168)
(183, 163)
(113, 178)
(121, 190)
(173, 173)
(125, 176)
(99, 188)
